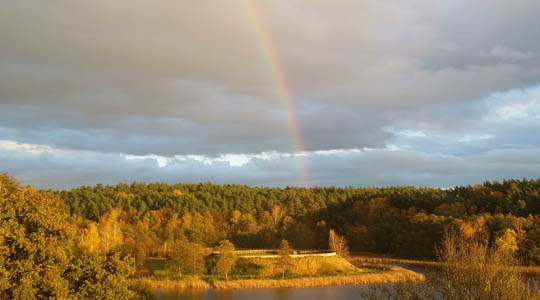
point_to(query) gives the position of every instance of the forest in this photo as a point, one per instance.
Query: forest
(95, 242)
(146, 220)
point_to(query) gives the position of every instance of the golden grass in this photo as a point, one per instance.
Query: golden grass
(187, 283)
(360, 259)
(529, 270)
(392, 274)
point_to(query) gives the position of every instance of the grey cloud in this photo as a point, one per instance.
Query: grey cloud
(178, 77)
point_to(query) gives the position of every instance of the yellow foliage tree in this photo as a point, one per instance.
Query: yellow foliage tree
(235, 217)
(110, 230)
(473, 229)
(508, 242)
(90, 238)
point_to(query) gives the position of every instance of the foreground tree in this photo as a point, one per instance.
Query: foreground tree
(40, 257)
(226, 258)
(338, 244)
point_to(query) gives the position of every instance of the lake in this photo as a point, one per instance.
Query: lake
(345, 292)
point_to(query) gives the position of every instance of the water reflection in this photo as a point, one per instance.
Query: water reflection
(313, 293)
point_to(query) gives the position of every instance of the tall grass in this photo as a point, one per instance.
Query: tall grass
(186, 283)
(393, 274)
(364, 258)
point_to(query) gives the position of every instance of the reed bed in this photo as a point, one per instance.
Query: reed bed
(393, 274)
(360, 259)
(187, 283)
(529, 270)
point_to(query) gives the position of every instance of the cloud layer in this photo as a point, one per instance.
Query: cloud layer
(99, 81)
(47, 168)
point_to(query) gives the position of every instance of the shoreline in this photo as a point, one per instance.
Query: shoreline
(362, 259)
(359, 259)
(391, 274)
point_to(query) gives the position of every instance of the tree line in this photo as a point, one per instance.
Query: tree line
(403, 221)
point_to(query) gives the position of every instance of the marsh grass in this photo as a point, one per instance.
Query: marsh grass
(184, 283)
(392, 274)
(362, 258)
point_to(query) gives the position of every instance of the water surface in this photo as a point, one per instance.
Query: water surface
(346, 292)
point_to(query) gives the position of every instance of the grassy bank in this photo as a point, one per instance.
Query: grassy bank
(258, 272)
(390, 275)
(270, 268)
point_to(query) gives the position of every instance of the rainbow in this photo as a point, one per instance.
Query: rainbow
(284, 93)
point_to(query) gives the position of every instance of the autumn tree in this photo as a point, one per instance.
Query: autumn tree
(90, 238)
(285, 260)
(187, 258)
(277, 214)
(338, 244)
(40, 257)
(226, 258)
(110, 230)
(508, 242)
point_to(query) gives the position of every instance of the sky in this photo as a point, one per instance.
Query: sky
(269, 93)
